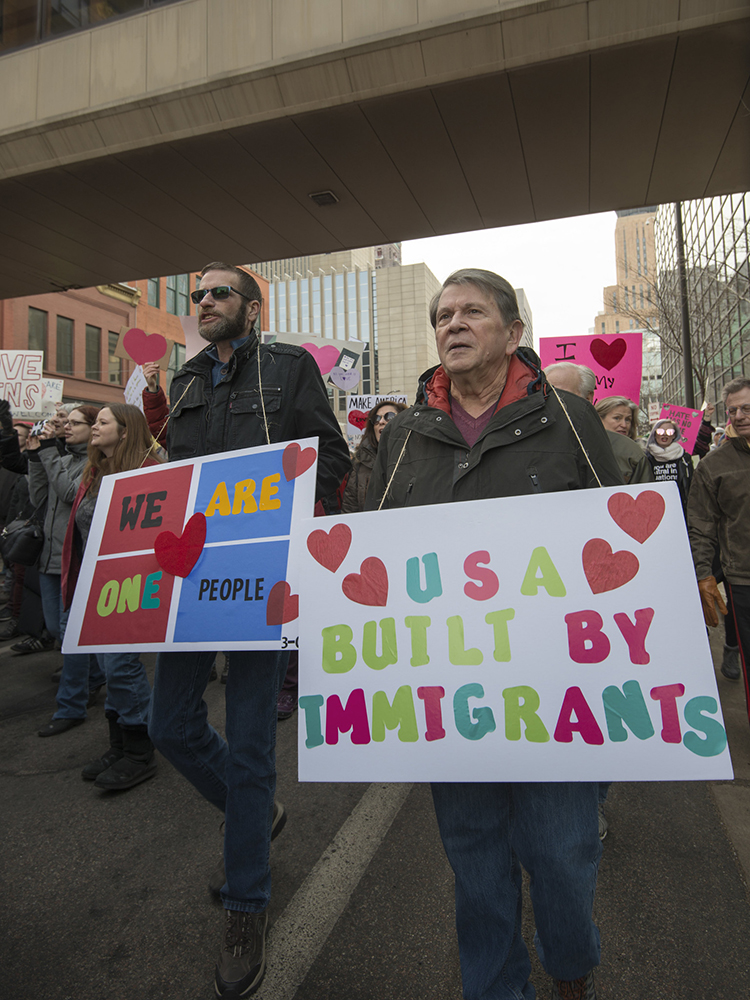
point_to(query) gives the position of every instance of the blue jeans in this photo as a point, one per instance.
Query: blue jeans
(489, 831)
(237, 775)
(128, 689)
(81, 672)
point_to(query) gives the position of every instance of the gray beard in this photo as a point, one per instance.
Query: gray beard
(226, 329)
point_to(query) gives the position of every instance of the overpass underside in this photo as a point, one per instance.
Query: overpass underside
(146, 147)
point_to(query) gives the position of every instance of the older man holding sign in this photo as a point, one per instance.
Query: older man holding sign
(487, 424)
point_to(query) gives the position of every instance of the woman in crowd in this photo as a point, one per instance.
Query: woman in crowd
(54, 475)
(619, 416)
(668, 459)
(120, 441)
(364, 457)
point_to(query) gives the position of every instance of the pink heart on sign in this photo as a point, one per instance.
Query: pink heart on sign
(325, 357)
(638, 516)
(344, 379)
(369, 586)
(143, 347)
(608, 355)
(178, 555)
(607, 570)
(295, 461)
(283, 605)
(329, 548)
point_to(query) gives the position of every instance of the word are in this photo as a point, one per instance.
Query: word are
(243, 500)
(623, 708)
(229, 590)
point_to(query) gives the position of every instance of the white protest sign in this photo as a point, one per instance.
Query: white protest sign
(541, 638)
(357, 408)
(134, 388)
(52, 392)
(193, 554)
(21, 383)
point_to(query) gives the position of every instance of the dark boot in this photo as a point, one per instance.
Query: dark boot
(136, 764)
(116, 751)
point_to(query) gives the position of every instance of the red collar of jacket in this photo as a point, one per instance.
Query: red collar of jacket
(438, 389)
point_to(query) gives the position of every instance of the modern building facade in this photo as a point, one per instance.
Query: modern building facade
(717, 271)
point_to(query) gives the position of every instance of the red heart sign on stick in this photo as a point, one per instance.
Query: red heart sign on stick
(608, 355)
(295, 461)
(638, 516)
(369, 586)
(178, 555)
(143, 347)
(607, 570)
(329, 548)
(283, 605)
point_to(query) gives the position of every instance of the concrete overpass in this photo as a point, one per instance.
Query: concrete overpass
(199, 130)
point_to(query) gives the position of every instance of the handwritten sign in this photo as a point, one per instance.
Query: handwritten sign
(617, 361)
(689, 422)
(357, 409)
(193, 555)
(21, 383)
(134, 388)
(518, 639)
(52, 393)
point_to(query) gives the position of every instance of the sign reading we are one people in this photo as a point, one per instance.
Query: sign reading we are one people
(193, 554)
(553, 637)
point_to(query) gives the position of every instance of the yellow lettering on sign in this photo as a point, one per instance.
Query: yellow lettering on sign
(219, 501)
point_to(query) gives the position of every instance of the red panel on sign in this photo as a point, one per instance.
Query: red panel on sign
(128, 602)
(144, 506)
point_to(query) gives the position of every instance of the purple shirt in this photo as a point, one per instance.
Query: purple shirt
(470, 427)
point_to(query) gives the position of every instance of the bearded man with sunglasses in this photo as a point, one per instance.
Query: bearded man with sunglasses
(237, 393)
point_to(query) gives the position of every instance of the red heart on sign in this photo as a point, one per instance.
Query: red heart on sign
(329, 548)
(608, 355)
(325, 357)
(283, 605)
(143, 347)
(295, 461)
(358, 418)
(638, 516)
(178, 555)
(605, 569)
(369, 586)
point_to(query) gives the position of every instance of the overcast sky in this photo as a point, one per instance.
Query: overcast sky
(562, 265)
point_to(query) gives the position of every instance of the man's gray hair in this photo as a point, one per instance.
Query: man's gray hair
(491, 284)
(586, 378)
(736, 385)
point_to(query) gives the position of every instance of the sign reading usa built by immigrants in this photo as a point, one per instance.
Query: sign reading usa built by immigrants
(554, 637)
(193, 554)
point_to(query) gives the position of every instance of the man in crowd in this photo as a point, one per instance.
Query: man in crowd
(486, 424)
(238, 394)
(578, 379)
(718, 515)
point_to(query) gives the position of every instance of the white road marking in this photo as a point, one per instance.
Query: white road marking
(299, 934)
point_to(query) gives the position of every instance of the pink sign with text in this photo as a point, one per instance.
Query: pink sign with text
(617, 361)
(689, 421)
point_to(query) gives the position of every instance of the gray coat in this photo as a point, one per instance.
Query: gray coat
(55, 477)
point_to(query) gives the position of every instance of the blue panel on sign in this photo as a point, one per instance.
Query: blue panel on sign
(245, 497)
(225, 597)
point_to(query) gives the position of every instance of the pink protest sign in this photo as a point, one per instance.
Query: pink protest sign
(689, 421)
(617, 361)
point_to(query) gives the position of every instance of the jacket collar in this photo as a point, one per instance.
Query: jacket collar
(202, 362)
(524, 379)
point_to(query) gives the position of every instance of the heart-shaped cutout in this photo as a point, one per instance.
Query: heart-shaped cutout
(608, 355)
(178, 555)
(325, 357)
(369, 586)
(345, 379)
(143, 347)
(329, 548)
(295, 461)
(607, 570)
(357, 419)
(282, 605)
(638, 516)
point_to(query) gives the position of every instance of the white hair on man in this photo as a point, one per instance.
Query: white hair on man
(578, 379)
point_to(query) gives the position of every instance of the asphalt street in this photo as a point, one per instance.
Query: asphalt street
(104, 894)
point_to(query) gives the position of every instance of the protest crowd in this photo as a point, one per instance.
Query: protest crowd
(477, 417)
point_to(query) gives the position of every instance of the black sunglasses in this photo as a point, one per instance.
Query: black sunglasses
(218, 293)
(385, 417)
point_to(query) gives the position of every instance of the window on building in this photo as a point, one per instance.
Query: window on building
(640, 288)
(93, 352)
(38, 331)
(317, 327)
(178, 302)
(153, 292)
(304, 305)
(293, 310)
(625, 254)
(340, 308)
(617, 326)
(602, 327)
(64, 345)
(176, 361)
(272, 307)
(328, 304)
(114, 364)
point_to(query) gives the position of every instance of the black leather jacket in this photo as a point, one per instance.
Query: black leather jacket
(206, 420)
